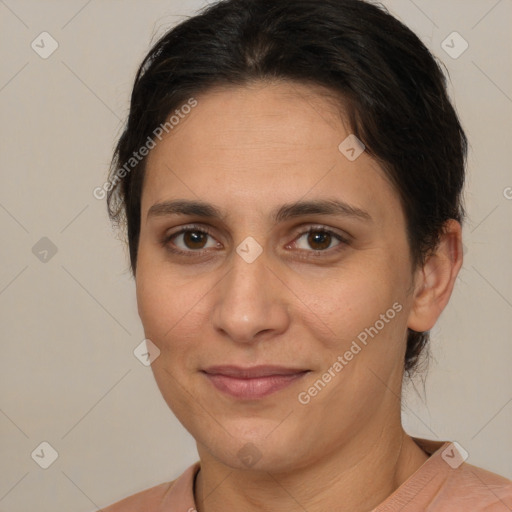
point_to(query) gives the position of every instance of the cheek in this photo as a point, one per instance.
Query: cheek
(355, 299)
(170, 309)
(150, 304)
(366, 311)
(168, 318)
(160, 305)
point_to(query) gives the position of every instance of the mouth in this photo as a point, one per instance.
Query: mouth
(254, 382)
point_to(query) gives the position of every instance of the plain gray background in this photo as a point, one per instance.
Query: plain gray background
(69, 320)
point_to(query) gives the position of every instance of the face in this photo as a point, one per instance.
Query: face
(272, 274)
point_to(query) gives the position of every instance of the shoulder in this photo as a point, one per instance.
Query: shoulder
(476, 486)
(446, 483)
(148, 499)
(177, 494)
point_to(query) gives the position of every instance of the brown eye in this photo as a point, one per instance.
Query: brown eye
(190, 241)
(319, 240)
(195, 239)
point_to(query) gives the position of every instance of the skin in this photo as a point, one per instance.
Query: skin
(249, 150)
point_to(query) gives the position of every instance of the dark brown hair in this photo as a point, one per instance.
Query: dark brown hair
(391, 88)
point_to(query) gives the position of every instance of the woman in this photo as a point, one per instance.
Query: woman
(291, 177)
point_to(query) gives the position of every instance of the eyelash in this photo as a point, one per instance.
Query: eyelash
(313, 229)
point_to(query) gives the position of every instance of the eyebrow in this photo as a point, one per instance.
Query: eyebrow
(280, 214)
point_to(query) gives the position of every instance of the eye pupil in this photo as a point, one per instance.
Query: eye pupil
(191, 238)
(323, 238)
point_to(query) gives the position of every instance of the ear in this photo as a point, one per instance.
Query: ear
(435, 280)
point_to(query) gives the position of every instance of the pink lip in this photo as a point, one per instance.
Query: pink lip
(252, 383)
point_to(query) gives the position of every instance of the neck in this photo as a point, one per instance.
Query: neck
(355, 477)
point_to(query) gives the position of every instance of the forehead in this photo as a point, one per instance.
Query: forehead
(243, 146)
(263, 116)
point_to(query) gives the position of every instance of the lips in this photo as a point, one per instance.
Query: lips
(252, 372)
(253, 382)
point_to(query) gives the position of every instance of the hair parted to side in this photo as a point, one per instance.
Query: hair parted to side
(392, 91)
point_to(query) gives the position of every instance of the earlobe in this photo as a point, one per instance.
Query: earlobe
(435, 280)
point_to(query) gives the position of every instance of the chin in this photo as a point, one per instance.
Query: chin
(258, 457)
(257, 450)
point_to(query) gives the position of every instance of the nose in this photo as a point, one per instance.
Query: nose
(251, 302)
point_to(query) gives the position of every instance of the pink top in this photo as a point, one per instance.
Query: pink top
(444, 483)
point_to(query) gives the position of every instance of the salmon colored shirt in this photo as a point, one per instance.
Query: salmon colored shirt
(444, 483)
